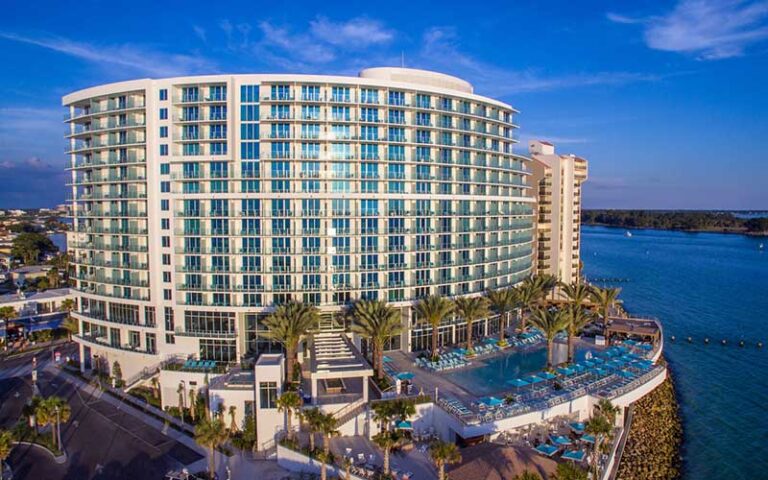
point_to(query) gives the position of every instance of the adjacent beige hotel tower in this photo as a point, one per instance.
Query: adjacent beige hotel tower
(557, 179)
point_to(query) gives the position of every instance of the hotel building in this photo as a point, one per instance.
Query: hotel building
(557, 182)
(201, 202)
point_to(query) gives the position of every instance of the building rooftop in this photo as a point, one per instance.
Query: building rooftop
(35, 296)
(270, 359)
(32, 269)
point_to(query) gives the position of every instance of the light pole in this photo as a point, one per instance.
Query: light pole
(58, 427)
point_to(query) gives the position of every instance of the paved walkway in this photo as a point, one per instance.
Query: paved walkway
(415, 461)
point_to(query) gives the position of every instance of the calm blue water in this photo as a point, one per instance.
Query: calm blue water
(699, 285)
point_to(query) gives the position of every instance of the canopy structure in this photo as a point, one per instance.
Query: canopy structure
(405, 376)
(491, 401)
(518, 382)
(577, 427)
(588, 438)
(560, 440)
(546, 449)
(574, 455)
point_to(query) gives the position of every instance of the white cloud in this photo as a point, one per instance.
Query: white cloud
(440, 51)
(708, 29)
(354, 33)
(132, 57)
(200, 33)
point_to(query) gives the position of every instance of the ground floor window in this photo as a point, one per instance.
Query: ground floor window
(218, 350)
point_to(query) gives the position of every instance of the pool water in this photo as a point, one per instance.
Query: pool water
(488, 376)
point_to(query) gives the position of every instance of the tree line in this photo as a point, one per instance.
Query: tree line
(675, 220)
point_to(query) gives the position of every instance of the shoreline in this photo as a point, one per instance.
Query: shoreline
(699, 230)
(654, 443)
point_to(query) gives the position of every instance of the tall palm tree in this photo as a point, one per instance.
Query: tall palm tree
(313, 417)
(376, 321)
(211, 434)
(546, 284)
(444, 453)
(502, 301)
(287, 325)
(528, 295)
(387, 440)
(232, 422)
(578, 318)
(289, 402)
(323, 458)
(328, 427)
(599, 427)
(6, 445)
(8, 313)
(605, 299)
(471, 309)
(52, 411)
(180, 392)
(577, 293)
(550, 323)
(433, 310)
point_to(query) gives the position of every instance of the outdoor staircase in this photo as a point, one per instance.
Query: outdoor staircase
(349, 411)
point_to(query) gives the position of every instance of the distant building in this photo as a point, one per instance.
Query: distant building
(557, 179)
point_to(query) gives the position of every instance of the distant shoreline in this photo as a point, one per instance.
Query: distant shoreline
(731, 231)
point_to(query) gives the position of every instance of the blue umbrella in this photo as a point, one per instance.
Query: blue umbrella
(386, 359)
(577, 427)
(588, 438)
(578, 367)
(518, 382)
(546, 449)
(600, 372)
(547, 375)
(405, 376)
(404, 425)
(493, 401)
(533, 379)
(575, 455)
(566, 371)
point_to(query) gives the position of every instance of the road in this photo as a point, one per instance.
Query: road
(101, 439)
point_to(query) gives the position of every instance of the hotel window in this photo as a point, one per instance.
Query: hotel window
(249, 93)
(165, 187)
(163, 94)
(165, 205)
(163, 150)
(163, 132)
(165, 224)
(340, 94)
(165, 168)
(249, 113)
(163, 114)
(267, 395)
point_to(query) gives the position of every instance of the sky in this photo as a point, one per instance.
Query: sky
(667, 100)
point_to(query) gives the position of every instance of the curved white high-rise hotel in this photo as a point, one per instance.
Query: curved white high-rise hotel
(201, 202)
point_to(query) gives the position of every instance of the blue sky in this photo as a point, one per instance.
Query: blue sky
(667, 100)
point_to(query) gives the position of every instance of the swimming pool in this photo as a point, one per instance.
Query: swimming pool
(489, 376)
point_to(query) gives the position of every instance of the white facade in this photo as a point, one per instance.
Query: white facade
(200, 202)
(557, 179)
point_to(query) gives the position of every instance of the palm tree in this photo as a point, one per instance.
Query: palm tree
(155, 387)
(577, 293)
(471, 309)
(547, 284)
(193, 405)
(599, 427)
(232, 423)
(328, 427)
(376, 321)
(569, 471)
(286, 325)
(323, 458)
(71, 325)
(289, 402)
(347, 463)
(608, 410)
(527, 475)
(180, 391)
(550, 323)
(211, 434)
(313, 418)
(52, 276)
(528, 297)
(578, 318)
(605, 298)
(387, 440)
(502, 301)
(6, 445)
(433, 310)
(444, 453)
(52, 411)
(8, 313)
(384, 413)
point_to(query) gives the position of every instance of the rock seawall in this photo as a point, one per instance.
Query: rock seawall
(652, 451)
